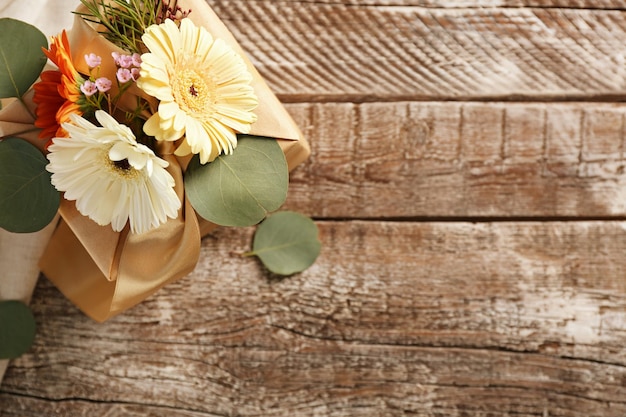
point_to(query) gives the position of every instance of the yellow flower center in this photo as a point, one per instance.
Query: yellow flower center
(193, 92)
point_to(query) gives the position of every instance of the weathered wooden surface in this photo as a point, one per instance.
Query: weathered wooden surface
(451, 4)
(468, 180)
(451, 159)
(431, 318)
(338, 52)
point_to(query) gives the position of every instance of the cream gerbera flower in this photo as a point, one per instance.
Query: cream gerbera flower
(113, 178)
(203, 86)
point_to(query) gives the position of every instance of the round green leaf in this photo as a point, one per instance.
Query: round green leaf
(21, 57)
(28, 201)
(286, 242)
(17, 329)
(239, 189)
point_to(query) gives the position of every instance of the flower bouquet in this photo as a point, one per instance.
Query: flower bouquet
(148, 128)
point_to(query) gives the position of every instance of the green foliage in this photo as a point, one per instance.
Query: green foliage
(21, 57)
(17, 329)
(28, 201)
(286, 243)
(126, 21)
(242, 188)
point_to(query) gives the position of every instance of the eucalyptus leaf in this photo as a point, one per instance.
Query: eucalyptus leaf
(28, 201)
(17, 329)
(242, 188)
(286, 242)
(21, 57)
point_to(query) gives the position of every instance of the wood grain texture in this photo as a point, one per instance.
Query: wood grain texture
(336, 52)
(450, 4)
(468, 179)
(450, 319)
(450, 159)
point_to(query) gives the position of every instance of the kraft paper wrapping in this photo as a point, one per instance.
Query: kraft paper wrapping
(104, 272)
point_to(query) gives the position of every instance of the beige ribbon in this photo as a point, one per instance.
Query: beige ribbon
(104, 272)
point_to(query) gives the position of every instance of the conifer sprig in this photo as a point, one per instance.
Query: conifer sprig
(123, 22)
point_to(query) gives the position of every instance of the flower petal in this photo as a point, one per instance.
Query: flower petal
(88, 171)
(204, 89)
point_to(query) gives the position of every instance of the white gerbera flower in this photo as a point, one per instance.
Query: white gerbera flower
(113, 178)
(203, 86)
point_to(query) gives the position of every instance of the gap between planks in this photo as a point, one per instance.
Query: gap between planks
(474, 219)
(608, 5)
(504, 99)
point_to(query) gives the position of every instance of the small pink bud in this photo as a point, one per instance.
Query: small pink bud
(125, 61)
(103, 84)
(88, 88)
(135, 73)
(136, 59)
(116, 57)
(93, 60)
(124, 75)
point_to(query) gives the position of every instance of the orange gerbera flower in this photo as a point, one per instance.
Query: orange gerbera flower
(58, 92)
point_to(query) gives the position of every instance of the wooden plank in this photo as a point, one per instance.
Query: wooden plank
(450, 159)
(570, 4)
(335, 52)
(454, 319)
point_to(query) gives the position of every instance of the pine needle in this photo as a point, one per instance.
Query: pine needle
(123, 22)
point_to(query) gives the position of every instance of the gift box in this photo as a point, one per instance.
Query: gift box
(103, 271)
